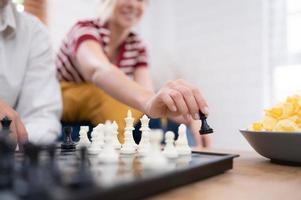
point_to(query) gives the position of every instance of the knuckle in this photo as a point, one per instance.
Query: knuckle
(186, 92)
(169, 83)
(175, 95)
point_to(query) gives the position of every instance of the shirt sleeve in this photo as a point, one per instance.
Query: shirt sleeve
(80, 32)
(39, 103)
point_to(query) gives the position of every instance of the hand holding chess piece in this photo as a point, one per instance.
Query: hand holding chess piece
(176, 98)
(17, 128)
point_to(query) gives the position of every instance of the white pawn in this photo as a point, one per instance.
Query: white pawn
(182, 143)
(100, 134)
(154, 158)
(169, 150)
(144, 145)
(114, 135)
(129, 145)
(83, 137)
(97, 137)
(109, 154)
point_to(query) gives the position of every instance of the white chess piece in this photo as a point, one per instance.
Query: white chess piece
(129, 145)
(154, 158)
(109, 154)
(182, 143)
(83, 137)
(129, 126)
(107, 131)
(169, 150)
(97, 137)
(114, 135)
(144, 145)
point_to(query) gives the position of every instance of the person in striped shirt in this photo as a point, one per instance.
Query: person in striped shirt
(103, 69)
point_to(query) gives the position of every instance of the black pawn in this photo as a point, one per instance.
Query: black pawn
(6, 155)
(68, 144)
(5, 122)
(205, 128)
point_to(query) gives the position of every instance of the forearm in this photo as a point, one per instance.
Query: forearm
(97, 69)
(119, 86)
(143, 78)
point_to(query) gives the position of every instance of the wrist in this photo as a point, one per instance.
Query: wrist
(143, 101)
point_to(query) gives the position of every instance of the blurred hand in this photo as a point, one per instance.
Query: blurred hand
(18, 131)
(177, 98)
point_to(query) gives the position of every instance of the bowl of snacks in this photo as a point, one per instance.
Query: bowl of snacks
(278, 135)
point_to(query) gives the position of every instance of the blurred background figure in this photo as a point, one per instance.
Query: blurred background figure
(29, 91)
(105, 41)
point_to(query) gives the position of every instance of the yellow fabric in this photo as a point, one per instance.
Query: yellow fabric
(86, 102)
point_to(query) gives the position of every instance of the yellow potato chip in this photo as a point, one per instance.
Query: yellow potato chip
(285, 117)
(268, 123)
(286, 125)
(256, 126)
(287, 110)
(274, 112)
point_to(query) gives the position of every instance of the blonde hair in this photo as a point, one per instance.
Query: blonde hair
(106, 9)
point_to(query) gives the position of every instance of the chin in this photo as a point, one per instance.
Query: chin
(127, 24)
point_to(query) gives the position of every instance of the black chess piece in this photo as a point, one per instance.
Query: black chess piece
(5, 122)
(68, 144)
(205, 128)
(6, 155)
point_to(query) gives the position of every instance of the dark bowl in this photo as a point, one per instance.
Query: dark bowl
(280, 147)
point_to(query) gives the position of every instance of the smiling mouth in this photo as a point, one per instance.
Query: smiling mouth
(129, 14)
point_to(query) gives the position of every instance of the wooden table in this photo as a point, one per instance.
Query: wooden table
(253, 177)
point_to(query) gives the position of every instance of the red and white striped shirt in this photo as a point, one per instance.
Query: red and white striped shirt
(132, 53)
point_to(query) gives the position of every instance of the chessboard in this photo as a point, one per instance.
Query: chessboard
(101, 167)
(57, 175)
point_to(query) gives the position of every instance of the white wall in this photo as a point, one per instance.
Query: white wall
(217, 45)
(62, 14)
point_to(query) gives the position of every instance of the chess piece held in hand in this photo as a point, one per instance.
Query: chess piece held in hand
(205, 128)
